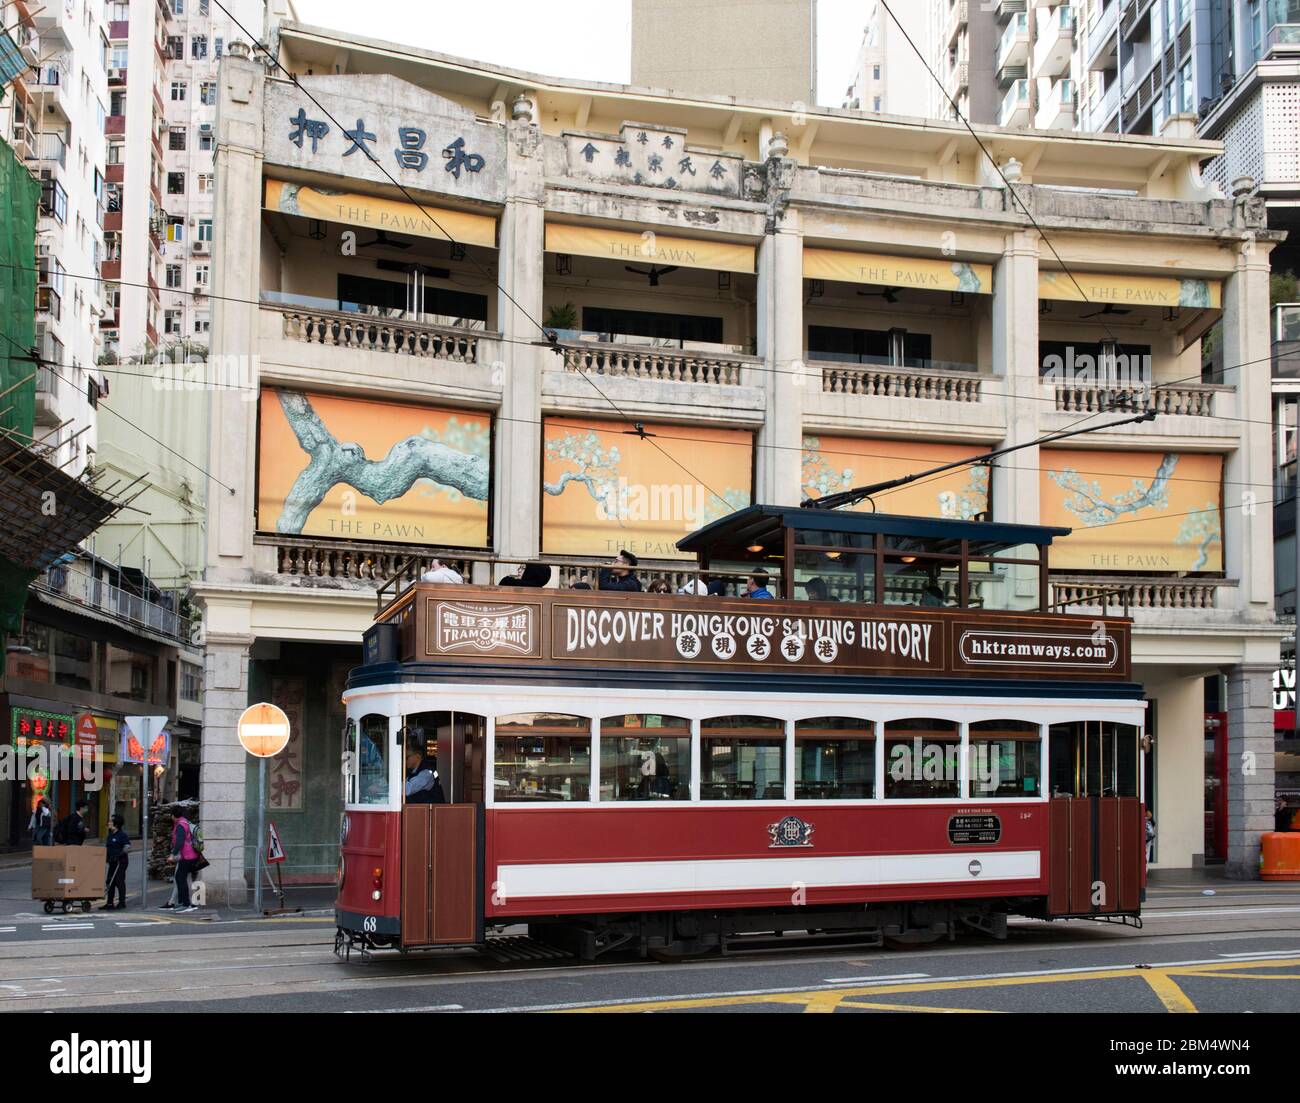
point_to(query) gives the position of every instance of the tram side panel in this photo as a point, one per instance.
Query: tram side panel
(551, 861)
(372, 843)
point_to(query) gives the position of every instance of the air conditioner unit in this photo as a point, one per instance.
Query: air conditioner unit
(199, 289)
(117, 74)
(205, 128)
(200, 246)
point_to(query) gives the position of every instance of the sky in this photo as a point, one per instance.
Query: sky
(579, 39)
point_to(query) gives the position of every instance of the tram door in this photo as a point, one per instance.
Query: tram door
(1097, 834)
(442, 829)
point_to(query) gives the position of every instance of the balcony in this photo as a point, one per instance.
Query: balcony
(1008, 8)
(656, 362)
(52, 148)
(1132, 19)
(1015, 105)
(111, 270)
(958, 80)
(1103, 42)
(115, 124)
(112, 221)
(49, 301)
(72, 586)
(1102, 108)
(1178, 400)
(368, 333)
(957, 19)
(1146, 599)
(950, 384)
(117, 77)
(1055, 43)
(115, 174)
(1283, 41)
(47, 396)
(1057, 110)
(50, 94)
(1013, 47)
(119, 30)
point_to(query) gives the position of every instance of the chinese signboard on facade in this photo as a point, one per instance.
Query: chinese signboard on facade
(654, 157)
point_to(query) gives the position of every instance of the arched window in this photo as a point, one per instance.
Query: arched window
(645, 757)
(834, 759)
(1005, 759)
(921, 758)
(542, 756)
(742, 758)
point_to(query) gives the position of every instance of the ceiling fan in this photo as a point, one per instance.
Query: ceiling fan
(654, 272)
(890, 294)
(1109, 308)
(382, 238)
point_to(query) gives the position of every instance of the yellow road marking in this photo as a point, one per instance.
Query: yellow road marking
(922, 1007)
(825, 1000)
(1164, 986)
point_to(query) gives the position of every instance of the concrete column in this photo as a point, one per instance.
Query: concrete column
(232, 455)
(222, 765)
(1248, 473)
(1015, 361)
(785, 376)
(1179, 770)
(521, 264)
(1250, 765)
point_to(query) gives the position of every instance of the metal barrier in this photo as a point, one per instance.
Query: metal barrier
(319, 868)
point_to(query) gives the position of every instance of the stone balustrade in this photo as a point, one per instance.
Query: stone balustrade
(360, 563)
(372, 334)
(888, 381)
(670, 365)
(1136, 594)
(1186, 400)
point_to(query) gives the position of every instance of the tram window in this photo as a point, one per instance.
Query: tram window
(1126, 760)
(834, 759)
(834, 576)
(1065, 759)
(919, 580)
(921, 759)
(350, 749)
(645, 757)
(542, 757)
(742, 758)
(372, 760)
(1005, 759)
(1004, 585)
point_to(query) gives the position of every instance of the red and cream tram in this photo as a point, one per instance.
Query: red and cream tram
(904, 743)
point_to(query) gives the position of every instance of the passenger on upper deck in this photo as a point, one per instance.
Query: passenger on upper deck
(618, 575)
(437, 572)
(529, 574)
(659, 586)
(756, 586)
(815, 589)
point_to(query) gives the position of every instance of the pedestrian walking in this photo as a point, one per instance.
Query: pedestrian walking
(41, 824)
(186, 857)
(1151, 836)
(72, 830)
(116, 862)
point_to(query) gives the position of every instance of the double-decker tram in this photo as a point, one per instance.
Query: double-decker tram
(903, 743)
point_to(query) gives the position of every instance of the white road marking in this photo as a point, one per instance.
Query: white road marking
(138, 923)
(67, 926)
(873, 980)
(404, 1010)
(1202, 913)
(7, 930)
(1263, 953)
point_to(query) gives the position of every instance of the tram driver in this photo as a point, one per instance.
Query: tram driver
(422, 783)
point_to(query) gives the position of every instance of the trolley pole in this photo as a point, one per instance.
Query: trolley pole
(261, 830)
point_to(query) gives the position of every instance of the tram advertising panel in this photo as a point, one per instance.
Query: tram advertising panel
(808, 637)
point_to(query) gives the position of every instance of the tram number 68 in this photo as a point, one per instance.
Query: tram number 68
(370, 924)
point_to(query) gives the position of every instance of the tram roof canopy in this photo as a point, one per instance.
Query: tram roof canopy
(760, 524)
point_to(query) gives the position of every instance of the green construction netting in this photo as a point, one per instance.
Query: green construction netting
(19, 195)
(14, 580)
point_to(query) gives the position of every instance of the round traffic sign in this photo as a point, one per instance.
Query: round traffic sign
(263, 730)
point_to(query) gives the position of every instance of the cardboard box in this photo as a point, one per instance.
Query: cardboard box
(68, 872)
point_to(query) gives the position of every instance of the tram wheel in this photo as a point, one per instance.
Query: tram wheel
(85, 905)
(49, 907)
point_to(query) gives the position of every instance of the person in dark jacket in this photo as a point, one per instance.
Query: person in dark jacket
(717, 587)
(422, 783)
(618, 575)
(75, 832)
(116, 862)
(530, 574)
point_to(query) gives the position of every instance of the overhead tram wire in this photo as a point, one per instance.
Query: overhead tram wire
(559, 421)
(548, 335)
(502, 339)
(27, 354)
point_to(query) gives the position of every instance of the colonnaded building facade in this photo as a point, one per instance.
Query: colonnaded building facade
(751, 305)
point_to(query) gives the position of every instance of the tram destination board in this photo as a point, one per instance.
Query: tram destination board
(969, 830)
(479, 625)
